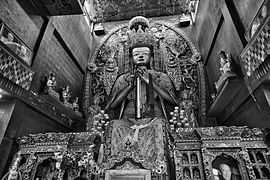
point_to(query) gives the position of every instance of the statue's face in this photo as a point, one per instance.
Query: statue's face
(225, 171)
(141, 56)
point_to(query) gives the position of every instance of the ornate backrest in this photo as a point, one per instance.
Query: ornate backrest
(174, 54)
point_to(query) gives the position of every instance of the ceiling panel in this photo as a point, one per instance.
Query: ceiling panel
(115, 10)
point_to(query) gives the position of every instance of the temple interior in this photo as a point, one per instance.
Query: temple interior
(134, 89)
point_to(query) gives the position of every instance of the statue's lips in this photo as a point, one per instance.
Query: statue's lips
(140, 59)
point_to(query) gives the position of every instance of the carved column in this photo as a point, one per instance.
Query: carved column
(30, 163)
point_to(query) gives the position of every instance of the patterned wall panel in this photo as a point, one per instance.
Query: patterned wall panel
(14, 70)
(254, 57)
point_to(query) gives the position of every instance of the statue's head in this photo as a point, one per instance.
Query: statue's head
(225, 171)
(222, 54)
(141, 54)
(10, 37)
(141, 41)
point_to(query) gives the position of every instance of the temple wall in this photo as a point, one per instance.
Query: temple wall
(222, 25)
(60, 44)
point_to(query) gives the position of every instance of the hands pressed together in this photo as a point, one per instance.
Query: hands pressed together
(141, 72)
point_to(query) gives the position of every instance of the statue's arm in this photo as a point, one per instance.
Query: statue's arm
(120, 96)
(120, 91)
(164, 93)
(162, 86)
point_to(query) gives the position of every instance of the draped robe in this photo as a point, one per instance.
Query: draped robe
(144, 139)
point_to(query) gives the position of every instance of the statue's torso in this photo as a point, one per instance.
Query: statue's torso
(130, 105)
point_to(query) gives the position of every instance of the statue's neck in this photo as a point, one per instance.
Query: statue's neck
(142, 67)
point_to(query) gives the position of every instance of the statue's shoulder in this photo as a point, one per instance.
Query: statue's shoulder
(124, 77)
(122, 80)
(158, 74)
(162, 79)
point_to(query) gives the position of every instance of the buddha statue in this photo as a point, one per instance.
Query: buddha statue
(141, 97)
(226, 69)
(51, 82)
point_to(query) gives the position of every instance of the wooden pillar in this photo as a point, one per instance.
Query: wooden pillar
(263, 102)
(6, 110)
(10, 124)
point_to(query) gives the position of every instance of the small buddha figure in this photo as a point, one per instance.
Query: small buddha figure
(186, 173)
(226, 69)
(194, 159)
(225, 172)
(196, 173)
(189, 107)
(7, 39)
(51, 82)
(66, 94)
(110, 67)
(75, 104)
(225, 64)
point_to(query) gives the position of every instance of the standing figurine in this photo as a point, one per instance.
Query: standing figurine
(225, 62)
(75, 104)
(51, 82)
(66, 94)
(226, 69)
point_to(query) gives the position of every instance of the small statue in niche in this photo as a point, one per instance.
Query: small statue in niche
(226, 69)
(66, 94)
(186, 173)
(188, 106)
(225, 62)
(75, 104)
(194, 159)
(196, 173)
(110, 65)
(50, 86)
(51, 82)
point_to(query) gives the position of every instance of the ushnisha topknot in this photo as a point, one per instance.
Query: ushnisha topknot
(138, 20)
(140, 33)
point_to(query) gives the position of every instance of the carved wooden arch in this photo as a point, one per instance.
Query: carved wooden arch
(182, 33)
(210, 156)
(179, 31)
(39, 158)
(202, 89)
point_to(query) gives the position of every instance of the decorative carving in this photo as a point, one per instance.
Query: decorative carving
(185, 134)
(38, 102)
(170, 42)
(209, 156)
(221, 131)
(30, 162)
(63, 7)
(252, 133)
(255, 57)
(73, 152)
(13, 70)
(108, 10)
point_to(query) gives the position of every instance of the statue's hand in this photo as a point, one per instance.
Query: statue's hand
(131, 79)
(144, 74)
